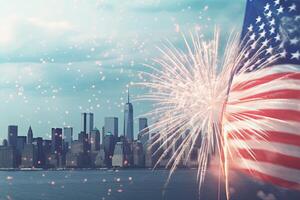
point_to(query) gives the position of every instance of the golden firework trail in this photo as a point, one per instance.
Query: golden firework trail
(189, 89)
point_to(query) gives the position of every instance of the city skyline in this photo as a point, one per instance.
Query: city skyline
(92, 149)
(110, 125)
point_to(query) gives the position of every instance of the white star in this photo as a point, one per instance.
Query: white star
(250, 28)
(272, 30)
(280, 10)
(277, 38)
(258, 19)
(265, 43)
(253, 45)
(272, 22)
(295, 55)
(261, 27)
(268, 14)
(252, 37)
(292, 7)
(267, 7)
(269, 50)
(297, 17)
(262, 34)
(283, 54)
(294, 41)
(246, 55)
(277, 2)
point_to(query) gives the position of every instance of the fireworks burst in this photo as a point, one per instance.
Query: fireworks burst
(190, 90)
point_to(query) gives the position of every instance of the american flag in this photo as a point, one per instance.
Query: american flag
(263, 110)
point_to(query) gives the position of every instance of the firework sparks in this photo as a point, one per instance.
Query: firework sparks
(190, 90)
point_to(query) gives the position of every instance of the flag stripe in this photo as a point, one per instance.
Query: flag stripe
(274, 69)
(270, 157)
(284, 173)
(263, 125)
(290, 115)
(272, 179)
(271, 136)
(266, 79)
(285, 149)
(292, 104)
(277, 94)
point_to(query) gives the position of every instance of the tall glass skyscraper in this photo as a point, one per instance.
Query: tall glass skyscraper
(12, 135)
(56, 143)
(128, 120)
(87, 122)
(68, 135)
(29, 136)
(143, 135)
(111, 126)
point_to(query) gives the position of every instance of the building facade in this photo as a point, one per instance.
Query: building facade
(128, 120)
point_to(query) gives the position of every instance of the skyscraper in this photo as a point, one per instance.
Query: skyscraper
(12, 135)
(128, 120)
(143, 124)
(109, 146)
(95, 140)
(29, 136)
(111, 126)
(87, 122)
(68, 136)
(56, 144)
(143, 135)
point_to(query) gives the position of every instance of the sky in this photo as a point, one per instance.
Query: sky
(61, 58)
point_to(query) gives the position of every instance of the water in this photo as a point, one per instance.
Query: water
(125, 185)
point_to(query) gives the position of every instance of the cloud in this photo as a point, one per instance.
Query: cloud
(59, 25)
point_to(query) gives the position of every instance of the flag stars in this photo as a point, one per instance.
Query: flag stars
(267, 7)
(272, 30)
(246, 55)
(272, 22)
(261, 27)
(297, 18)
(265, 43)
(292, 7)
(277, 2)
(250, 28)
(277, 37)
(268, 14)
(294, 41)
(252, 36)
(295, 55)
(283, 54)
(253, 45)
(269, 50)
(258, 19)
(279, 10)
(262, 34)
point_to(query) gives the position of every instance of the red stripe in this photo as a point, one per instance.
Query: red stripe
(271, 179)
(277, 94)
(280, 114)
(270, 136)
(252, 83)
(259, 155)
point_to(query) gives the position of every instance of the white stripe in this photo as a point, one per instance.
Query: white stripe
(285, 173)
(266, 87)
(289, 150)
(265, 72)
(279, 104)
(263, 125)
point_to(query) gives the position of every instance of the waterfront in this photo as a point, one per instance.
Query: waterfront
(121, 185)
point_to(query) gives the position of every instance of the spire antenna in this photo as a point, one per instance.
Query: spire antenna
(128, 95)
